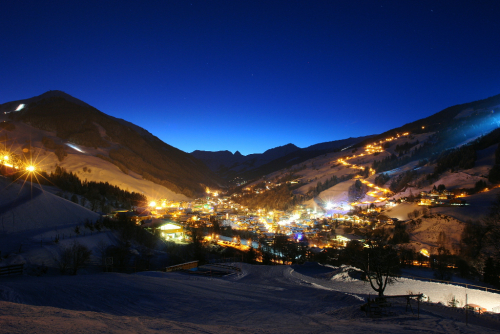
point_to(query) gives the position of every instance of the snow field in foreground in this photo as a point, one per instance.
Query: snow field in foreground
(264, 299)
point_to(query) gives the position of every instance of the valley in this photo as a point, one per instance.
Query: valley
(249, 167)
(434, 209)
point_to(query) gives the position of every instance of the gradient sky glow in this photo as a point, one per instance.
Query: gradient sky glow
(252, 75)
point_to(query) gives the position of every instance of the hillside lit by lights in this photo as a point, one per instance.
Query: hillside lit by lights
(380, 194)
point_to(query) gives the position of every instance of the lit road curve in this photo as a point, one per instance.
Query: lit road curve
(380, 194)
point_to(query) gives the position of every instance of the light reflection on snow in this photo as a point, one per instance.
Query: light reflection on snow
(75, 147)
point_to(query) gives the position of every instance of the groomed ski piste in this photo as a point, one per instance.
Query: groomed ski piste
(307, 298)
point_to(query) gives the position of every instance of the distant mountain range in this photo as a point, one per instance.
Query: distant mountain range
(222, 160)
(229, 165)
(454, 124)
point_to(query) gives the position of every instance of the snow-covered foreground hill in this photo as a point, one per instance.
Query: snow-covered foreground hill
(259, 299)
(26, 207)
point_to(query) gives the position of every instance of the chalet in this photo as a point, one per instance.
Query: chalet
(456, 201)
(315, 250)
(426, 201)
(391, 203)
(172, 231)
(169, 229)
(434, 193)
(137, 217)
(383, 219)
(344, 238)
(7, 169)
(183, 218)
(459, 193)
(392, 221)
(445, 194)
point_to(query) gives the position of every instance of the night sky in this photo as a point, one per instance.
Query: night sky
(252, 75)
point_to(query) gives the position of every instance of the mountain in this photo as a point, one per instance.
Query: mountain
(65, 120)
(467, 119)
(229, 165)
(13, 105)
(458, 148)
(336, 144)
(237, 162)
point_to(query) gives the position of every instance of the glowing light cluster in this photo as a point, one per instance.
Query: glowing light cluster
(6, 161)
(380, 194)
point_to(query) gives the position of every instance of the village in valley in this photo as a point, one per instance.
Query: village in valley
(322, 227)
(319, 225)
(249, 167)
(392, 206)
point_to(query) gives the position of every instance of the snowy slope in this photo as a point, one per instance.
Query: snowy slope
(26, 208)
(338, 195)
(479, 206)
(30, 220)
(485, 159)
(103, 171)
(260, 299)
(401, 211)
(425, 234)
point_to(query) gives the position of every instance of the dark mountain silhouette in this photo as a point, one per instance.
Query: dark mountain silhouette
(131, 147)
(238, 162)
(229, 165)
(450, 128)
(301, 156)
(128, 146)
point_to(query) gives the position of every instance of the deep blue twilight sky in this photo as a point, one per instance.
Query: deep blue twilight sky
(252, 75)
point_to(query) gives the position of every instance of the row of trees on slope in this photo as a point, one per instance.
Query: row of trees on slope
(480, 245)
(99, 194)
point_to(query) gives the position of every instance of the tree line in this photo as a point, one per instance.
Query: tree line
(98, 194)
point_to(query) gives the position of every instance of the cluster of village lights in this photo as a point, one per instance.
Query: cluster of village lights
(214, 193)
(156, 205)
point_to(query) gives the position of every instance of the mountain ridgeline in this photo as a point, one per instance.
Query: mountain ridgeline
(218, 161)
(229, 165)
(132, 148)
(459, 122)
(450, 129)
(128, 146)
